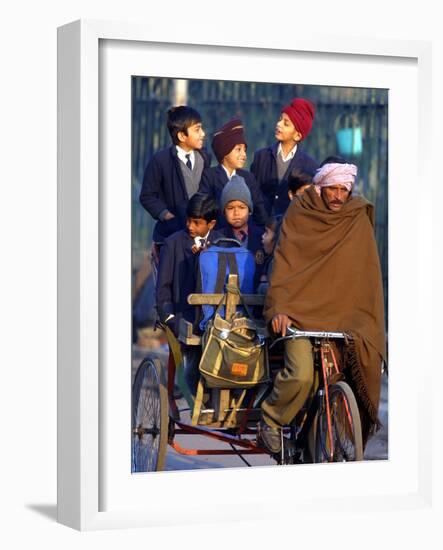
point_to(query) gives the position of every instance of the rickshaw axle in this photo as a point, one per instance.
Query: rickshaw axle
(146, 431)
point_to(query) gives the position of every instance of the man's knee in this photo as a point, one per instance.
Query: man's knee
(299, 360)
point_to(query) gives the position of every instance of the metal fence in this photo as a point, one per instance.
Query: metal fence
(362, 112)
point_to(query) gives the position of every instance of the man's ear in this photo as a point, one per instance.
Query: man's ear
(211, 224)
(290, 195)
(181, 136)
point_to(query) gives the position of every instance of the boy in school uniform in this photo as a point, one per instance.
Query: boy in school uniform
(229, 146)
(272, 165)
(177, 269)
(236, 205)
(177, 274)
(172, 176)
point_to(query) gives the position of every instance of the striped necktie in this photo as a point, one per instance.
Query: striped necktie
(188, 161)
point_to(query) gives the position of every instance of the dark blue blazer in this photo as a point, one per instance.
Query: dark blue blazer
(177, 277)
(164, 188)
(264, 168)
(213, 181)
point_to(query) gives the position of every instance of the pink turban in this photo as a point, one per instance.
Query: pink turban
(335, 174)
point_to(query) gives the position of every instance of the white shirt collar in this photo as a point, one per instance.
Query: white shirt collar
(227, 173)
(198, 239)
(181, 153)
(289, 156)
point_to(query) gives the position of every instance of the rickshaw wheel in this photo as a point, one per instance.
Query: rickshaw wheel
(346, 427)
(149, 417)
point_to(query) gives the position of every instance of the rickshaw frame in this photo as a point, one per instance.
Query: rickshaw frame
(308, 429)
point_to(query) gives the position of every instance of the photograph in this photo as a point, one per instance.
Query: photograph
(259, 274)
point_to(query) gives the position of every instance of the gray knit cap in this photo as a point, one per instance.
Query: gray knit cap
(236, 190)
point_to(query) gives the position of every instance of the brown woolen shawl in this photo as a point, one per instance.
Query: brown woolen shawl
(326, 276)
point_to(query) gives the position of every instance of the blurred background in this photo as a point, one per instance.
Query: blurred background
(350, 122)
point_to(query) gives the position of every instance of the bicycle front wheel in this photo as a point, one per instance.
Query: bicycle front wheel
(149, 417)
(343, 442)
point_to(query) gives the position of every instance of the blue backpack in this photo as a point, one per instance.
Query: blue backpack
(216, 263)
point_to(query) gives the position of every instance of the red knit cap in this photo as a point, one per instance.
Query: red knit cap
(227, 137)
(301, 112)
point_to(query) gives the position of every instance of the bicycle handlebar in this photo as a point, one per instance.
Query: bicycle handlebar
(295, 333)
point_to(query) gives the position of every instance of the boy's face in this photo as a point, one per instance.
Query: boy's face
(236, 158)
(199, 227)
(193, 138)
(237, 214)
(285, 130)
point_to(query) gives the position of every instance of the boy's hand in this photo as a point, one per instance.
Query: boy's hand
(169, 216)
(280, 323)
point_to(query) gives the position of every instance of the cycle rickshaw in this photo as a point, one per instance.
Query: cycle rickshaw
(327, 429)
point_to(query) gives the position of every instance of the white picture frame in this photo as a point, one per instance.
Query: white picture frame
(93, 493)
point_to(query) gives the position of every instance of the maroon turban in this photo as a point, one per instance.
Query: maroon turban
(301, 112)
(227, 137)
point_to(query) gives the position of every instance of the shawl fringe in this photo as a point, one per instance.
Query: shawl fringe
(353, 364)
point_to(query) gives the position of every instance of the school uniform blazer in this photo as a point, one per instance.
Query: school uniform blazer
(213, 181)
(264, 168)
(177, 277)
(164, 188)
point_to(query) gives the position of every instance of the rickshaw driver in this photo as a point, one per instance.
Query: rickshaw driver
(326, 276)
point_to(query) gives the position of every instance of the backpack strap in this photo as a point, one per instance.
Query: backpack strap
(221, 272)
(225, 259)
(235, 290)
(232, 262)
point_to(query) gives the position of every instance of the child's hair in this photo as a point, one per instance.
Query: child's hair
(203, 206)
(274, 224)
(179, 119)
(333, 160)
(297, 178)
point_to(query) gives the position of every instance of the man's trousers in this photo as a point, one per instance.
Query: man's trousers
(293, 384)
